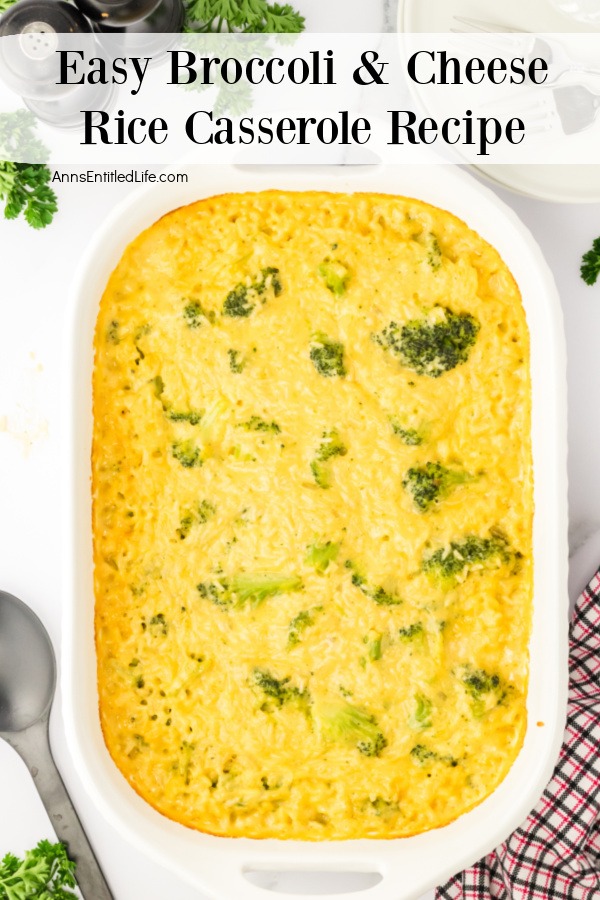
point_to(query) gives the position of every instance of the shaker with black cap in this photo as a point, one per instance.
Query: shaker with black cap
(32, 31)
(134, 27)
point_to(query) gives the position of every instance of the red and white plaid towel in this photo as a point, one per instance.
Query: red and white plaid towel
(556, 852)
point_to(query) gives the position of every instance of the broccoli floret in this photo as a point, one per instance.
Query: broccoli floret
(432, 345)
(411, 632)
(158, 386)
(327, 356)
(422, 754)
(254, 588)
(409, 436)
(335, 275)
(478, 682)
(321, 474)
(373, 640)
(193, 314)
(206, 510)
(421, 717)
(269, 279)
(139, 333)
(453, 563)
(187, 453)
(331, 447)
(320, 555)
(375, 649)
(217, 592)
(300, 623)
(434, 251)
(240, 302)
(211, 423)
(190, 518)
(247, 587)
(279, 691)
(382, 808)
(374, 592)
(240, 455)
(255, 423)
(431, 483)
(486, 690)
(193, 416)
(158, 624)
(113, 335)
(185, 525)
(350, 724)
(187, 751)
(236, 362)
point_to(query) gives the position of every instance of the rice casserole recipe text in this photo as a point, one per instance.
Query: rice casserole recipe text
(312, 516)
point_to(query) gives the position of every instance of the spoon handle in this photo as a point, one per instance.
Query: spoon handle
(33, 746)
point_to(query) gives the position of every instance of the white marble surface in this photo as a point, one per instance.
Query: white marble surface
(35, 271)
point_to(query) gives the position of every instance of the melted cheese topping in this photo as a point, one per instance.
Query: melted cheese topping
(249, 684)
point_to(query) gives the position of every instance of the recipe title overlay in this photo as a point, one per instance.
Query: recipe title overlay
(311, 98)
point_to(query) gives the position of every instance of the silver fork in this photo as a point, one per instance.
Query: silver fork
(567, 109)
(559, 61)
(572, 108)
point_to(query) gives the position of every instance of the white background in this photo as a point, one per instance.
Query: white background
(36, 269)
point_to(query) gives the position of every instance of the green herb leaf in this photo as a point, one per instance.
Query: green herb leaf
(242, 15)
(24, 186)
(45, 873)
(590, 264)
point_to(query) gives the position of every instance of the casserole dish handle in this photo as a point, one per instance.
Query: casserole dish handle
(231, 880)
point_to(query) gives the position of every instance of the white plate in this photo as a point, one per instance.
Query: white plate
(409, 866)
(561, 184)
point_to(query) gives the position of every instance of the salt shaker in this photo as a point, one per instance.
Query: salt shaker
(32, 31)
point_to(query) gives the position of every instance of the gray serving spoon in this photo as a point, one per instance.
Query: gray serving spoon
(27, 683)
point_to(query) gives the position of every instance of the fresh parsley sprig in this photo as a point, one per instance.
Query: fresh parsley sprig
(590, 264)
(242, 15)
(24, 187)
(44, 873)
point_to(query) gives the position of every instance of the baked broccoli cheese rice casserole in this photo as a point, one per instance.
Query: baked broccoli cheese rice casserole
(312, 516)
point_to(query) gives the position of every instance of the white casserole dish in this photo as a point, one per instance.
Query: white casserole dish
(408, 866)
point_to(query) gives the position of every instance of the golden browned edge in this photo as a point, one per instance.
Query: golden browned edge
(273, 192)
